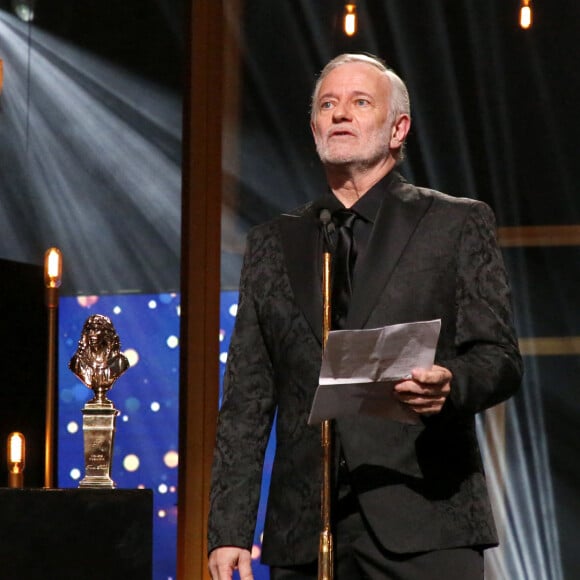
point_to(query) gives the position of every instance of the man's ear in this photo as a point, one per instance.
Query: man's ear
(399, 131)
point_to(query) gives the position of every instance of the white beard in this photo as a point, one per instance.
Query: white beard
(361, 154)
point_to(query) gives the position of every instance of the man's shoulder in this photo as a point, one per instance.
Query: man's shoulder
(462, 204)
(273, 226)
(440, 197)
(303, 210)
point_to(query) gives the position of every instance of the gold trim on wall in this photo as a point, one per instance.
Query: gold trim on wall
(550, 346)
(539, 236)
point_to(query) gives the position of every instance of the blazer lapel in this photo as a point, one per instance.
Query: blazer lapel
(398, 217)
(302, 247)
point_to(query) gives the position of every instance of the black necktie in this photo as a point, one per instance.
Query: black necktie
(342, 266)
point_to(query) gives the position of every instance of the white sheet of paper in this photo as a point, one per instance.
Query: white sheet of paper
(360, 367)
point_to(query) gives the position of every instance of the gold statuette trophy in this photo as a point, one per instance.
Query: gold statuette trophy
(98, 363)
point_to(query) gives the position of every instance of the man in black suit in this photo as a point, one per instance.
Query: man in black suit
(411, 499)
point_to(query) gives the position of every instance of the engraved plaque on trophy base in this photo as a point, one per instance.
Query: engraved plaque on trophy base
(99, 433)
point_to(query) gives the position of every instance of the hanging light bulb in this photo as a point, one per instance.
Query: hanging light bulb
(350, 21)
(24, 9)
(526, 17)
(16, 459)
(52, 268)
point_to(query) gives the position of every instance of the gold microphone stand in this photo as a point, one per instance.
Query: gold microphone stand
(326, 547)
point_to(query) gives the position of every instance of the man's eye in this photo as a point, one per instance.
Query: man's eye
(362, 102)
(326, 105)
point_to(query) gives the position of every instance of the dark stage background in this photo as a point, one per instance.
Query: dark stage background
(90, 161)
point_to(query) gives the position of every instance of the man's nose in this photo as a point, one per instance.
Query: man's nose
(341, 113)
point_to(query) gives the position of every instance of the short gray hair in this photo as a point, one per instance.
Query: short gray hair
(400, 102)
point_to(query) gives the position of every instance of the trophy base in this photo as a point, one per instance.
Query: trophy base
(97, 482)
(99, 433)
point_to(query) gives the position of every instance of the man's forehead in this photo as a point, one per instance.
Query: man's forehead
(355, 77)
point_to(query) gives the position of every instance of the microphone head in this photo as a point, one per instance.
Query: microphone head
(325, 216)
(327, 228)
(326, 220)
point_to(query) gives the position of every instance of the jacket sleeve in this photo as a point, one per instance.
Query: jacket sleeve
(245, 417)
(487, 368)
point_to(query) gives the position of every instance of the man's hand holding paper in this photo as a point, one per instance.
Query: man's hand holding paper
(385, 371)
(426, 391)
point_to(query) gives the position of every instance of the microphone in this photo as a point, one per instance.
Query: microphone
(328, 228)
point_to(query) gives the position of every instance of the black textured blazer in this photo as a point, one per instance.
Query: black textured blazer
(421, 487)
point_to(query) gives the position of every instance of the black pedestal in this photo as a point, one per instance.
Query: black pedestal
(76, 534)
(23, 358)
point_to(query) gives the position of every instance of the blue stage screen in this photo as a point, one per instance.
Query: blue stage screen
(147, 396)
